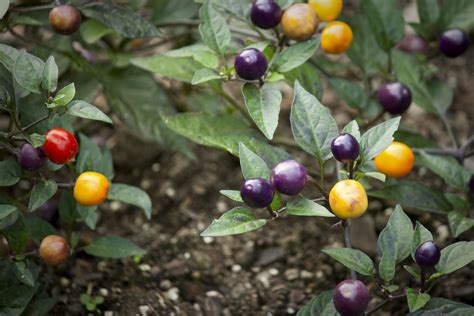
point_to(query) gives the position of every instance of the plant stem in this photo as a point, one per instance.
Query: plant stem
(32, 124)
(450, 131)
(31, 8)
(382, 304)
(350, 168)
(374, 120)
(9, 148)
(423, 279)
(234, 104)
(347, 240)
(319, 187)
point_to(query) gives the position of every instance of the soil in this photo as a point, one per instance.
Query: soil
(275, 270)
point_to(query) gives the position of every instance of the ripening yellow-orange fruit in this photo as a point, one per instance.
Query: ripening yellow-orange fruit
(336, 37)
(327, 10)
(299, 22)
(91, 188)
(396, 161)
(54, 250)
(348, 199)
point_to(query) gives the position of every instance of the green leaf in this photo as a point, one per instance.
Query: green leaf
(8, 56)
(458, 223)
(24, 274)
(350, 92)
(457, 14)
(88, 111)
(312, 124)
(198, 52)
(172, 10)
(321, 305)
(8, 216)
(232, 194)
(113, 247)
(9, 173)
(41, 193)
(442, 306)
(92, 30)
(296, 55)
(39, 228)
(413, 272)
(4, 8)
(447, 168)
(408, 70)
(353, 259)
(64, 96)
(28, 72)
(414, 194)
(92, 158)
(239, 220)
(304, 207)
(308, 76)
(386, 21)
(263, 105)
(364, 50)
(428, 11)
(420, 235)
(251, 164)
(37, 140)
(214, 30)
(177, 68)
(204, 75)
(67, 208)
(394, 242)
(378, 138)
(17, 236)
(121, 19)
(141, 104)
(88, 215)
(416, 300)
(16, 297)
(131, 195)
(376, 175)
(50, 75)
(352, 128)
(455, 256)
(442, 95)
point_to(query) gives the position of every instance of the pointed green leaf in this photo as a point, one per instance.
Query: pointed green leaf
(131, 195)
(8, 216)
(458, 223)
(232, 194)
(214, 30)
(378, 138)
(263, 105)
(50, 75)
(321, 305)
(88, 111)
(236, 221)
(204, 75)
(455, 256)
(113, 247)
(64, 96)
(352, 128)
(416, 300)
(296, 55)
(304, 207)
(9, 173)
(420, 235)
(28, 72)
(42, 192)
(353, 259)
(251, 164)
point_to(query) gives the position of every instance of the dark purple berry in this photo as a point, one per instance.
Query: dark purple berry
(257, 193)
(250, 64)
(265, 14)
(49, 212)
(345, 148)
(395, 97)
(427, 254)
(351, 298)
(31, 158)
(471, 184)
(454, 42)
(288, 177)
(413, 44)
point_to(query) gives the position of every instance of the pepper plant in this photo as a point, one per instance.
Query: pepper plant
(264, 48)
(42, 162)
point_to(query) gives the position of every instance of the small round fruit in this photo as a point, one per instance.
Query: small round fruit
(31, 158)
(288, 177)
(266, 14)
(327, 10)
(395, 97)
(453, 43)
(250, 64)
(427, 254)
(49, 211)
(65, 19)
(299, 22)
(91, 188)
(351, 298)
(60, 146)
(348, 199)
(345, 148)
(54, 250)
(257, 193)
(336, 37)
(396, 161)
(413, 44)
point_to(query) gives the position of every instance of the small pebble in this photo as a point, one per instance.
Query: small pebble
(115, 206)
(273, 272)
(290, 310)
(108, 313)
(292, 274)
(172, 294)
(165, 284)
(208, 240)
(236, 268)
(144, 267)
(103, 292)
(144, 309)
(213, 294)
(306, 274)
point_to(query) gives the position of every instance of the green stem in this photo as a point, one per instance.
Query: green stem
(450, 131)
(347, 240)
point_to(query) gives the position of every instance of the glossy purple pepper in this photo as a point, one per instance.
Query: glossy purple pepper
(31, 158)
(345, 148)
(250, 64)
(288, 177)
(427, 254)
(453, 43)
(257, 193)
(265, 14)
(413, 44)
(395, 97)
(351, 298)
